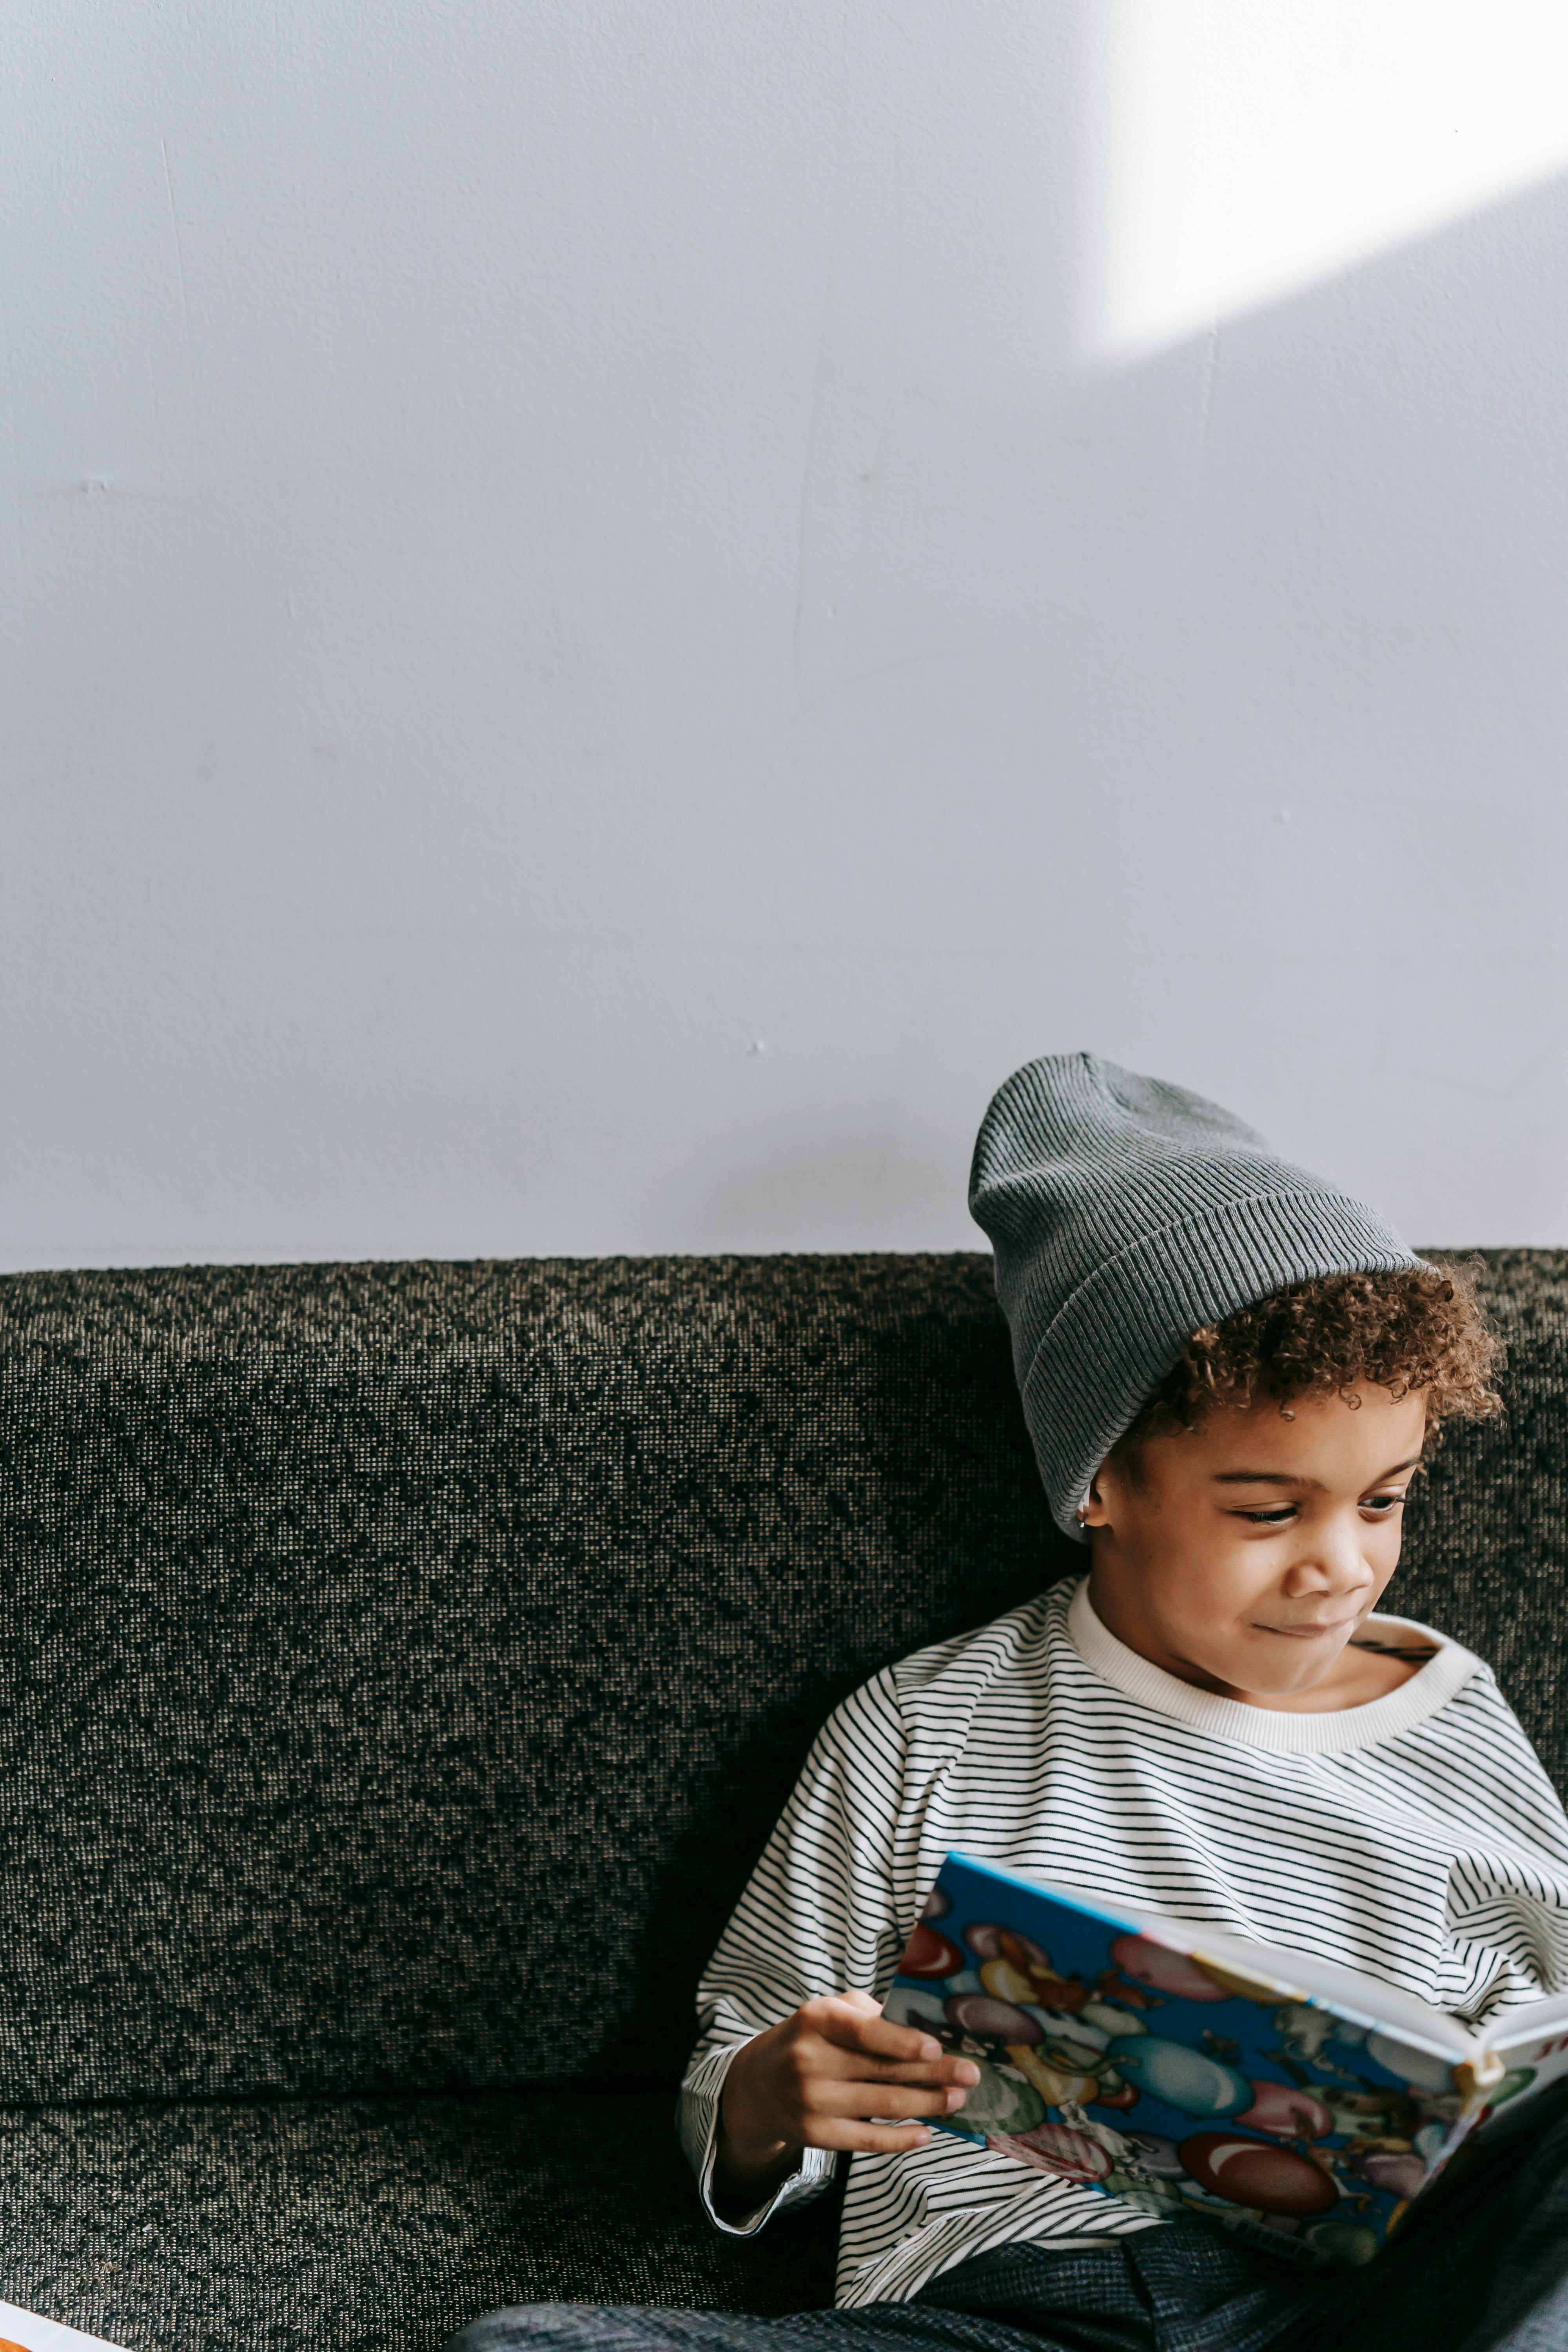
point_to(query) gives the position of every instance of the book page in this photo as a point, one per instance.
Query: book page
(1363, 2000)
(24, 2331)
(1533, 2060)
(1545, 2022)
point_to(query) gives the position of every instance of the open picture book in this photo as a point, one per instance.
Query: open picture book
(1300, 2102)
(24, 2331)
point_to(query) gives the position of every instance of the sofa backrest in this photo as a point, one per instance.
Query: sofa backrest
(402, 1665)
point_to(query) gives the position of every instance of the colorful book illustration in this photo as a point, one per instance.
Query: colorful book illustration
(1300, 2102)
(24, 2331)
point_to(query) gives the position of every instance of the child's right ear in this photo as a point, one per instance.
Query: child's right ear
(1092, 1512)
(1111, 1488)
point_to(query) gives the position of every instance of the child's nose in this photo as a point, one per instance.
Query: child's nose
(1338, 1552)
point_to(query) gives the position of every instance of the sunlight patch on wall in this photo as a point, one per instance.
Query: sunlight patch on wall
(1245, 149)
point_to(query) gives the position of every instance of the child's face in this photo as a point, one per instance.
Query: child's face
(1243, 1555)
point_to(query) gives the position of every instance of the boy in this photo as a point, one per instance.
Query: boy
(1230, 1371)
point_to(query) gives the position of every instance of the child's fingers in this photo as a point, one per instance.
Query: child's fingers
(940, 2070)
(878, 2139)
(843, 2047)
(870, 2101)
(878, 2037)
(855, 2067)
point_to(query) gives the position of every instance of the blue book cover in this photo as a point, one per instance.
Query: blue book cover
(1300, 2103)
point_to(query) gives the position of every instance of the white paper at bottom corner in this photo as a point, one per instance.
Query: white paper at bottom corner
(31, 2333)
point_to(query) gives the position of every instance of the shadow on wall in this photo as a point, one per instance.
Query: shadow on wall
(1290, 607)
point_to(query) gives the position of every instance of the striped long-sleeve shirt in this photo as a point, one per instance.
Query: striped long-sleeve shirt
(1416, 1838)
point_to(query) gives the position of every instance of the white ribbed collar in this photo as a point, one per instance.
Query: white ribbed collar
(1328, 1733)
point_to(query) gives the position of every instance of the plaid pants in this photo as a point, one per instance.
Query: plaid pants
(1480, 2265)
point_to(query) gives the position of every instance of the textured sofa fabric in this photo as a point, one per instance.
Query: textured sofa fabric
(359, 2225)
(402, 1665)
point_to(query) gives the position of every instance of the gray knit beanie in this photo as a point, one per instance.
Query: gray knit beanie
(1126, 1215)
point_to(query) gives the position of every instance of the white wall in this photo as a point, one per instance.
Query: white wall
(610, 613)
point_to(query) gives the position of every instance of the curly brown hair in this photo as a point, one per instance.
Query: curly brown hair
(1421, 1327)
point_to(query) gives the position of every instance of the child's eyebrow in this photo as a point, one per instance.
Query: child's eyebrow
(1265, 1478)
(1293, 1478)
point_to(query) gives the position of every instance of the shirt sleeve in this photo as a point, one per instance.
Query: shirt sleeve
(818, 1916)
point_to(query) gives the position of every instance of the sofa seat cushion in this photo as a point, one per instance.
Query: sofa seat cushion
(369, 2225)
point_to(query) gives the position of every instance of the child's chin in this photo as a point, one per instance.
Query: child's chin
(1284, 1667)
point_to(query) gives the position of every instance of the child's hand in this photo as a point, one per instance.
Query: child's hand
(827, 2077)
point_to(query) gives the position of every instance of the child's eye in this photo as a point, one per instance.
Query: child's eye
(1279, 1514)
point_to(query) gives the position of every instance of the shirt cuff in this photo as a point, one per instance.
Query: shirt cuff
(698, 2126)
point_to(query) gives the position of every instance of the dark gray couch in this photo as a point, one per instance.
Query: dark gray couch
(403, 1665)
